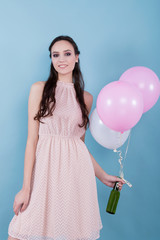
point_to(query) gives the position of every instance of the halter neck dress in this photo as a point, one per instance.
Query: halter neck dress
(63, 203)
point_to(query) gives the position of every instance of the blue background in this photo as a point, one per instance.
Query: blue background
(112, 36)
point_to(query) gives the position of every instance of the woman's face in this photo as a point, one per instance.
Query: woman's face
(63, 57)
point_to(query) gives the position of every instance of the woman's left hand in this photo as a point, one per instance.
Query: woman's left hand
(110, 180)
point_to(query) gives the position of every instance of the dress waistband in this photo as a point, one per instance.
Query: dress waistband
(57, 135)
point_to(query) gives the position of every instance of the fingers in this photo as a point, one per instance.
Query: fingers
(111, 180)
(120, 184)
(119, 188)
(23, 207)
(16, 210)
(121, 180)
(20, 208)
(16, 207)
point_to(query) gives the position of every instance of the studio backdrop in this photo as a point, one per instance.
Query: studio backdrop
(112, 36)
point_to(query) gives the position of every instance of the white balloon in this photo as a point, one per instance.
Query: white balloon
(105, 136)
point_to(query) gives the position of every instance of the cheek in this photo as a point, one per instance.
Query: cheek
(71, 61)
(54, 62)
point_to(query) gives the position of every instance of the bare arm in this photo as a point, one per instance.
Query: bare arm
(104, 177)
(33, 127)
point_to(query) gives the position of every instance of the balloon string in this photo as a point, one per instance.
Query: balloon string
(120, 162)
(121, 158)
(127, 147)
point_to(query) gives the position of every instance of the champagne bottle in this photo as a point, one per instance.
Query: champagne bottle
(113, 199)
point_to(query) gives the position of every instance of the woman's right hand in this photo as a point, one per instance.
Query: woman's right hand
(21, 201)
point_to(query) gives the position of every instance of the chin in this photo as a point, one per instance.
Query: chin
(65, 72)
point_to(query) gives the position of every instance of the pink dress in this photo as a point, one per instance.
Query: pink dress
(63, 204)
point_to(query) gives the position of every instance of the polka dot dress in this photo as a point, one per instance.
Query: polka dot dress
(63, 204)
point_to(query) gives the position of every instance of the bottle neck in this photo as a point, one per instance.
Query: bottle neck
(116, 186)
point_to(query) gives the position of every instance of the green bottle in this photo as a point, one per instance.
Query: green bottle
(113, 199)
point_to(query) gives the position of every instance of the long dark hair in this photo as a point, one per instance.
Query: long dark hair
(48, 95)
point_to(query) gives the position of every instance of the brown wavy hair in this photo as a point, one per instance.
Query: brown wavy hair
(48, 95)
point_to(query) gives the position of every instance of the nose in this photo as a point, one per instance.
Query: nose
(61, 59)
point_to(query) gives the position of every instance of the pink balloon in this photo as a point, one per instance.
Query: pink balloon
(147, 82)
(120, 105)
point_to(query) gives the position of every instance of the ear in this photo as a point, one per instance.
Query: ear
(77, 56)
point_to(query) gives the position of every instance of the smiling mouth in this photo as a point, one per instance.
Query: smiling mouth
(62, 66)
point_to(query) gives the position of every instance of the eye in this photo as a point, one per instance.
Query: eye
(68, 54)
(55, 55)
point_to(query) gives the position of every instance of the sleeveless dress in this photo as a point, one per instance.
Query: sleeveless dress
(63, 203)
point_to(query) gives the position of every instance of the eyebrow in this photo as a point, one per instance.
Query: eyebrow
(63, 51)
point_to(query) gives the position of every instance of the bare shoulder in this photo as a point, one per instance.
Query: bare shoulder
(35, 96)
(38, 85)
(37, 89)
(88, 98)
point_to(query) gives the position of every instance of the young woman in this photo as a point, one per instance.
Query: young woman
(58, 200)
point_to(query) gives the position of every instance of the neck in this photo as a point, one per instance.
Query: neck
(65, 78)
